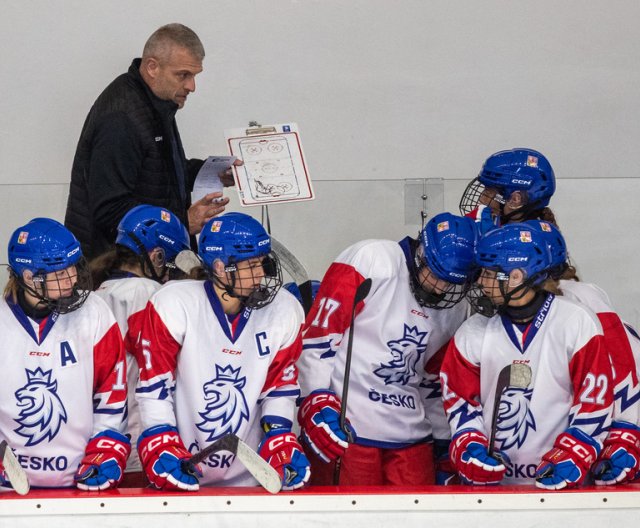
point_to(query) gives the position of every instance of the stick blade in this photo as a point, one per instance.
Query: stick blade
(266, 475)
(520, 376)
(13, 470)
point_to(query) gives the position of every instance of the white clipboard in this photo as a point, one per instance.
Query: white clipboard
(274, 169)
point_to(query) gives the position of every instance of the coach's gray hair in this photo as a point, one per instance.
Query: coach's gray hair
(163, 39)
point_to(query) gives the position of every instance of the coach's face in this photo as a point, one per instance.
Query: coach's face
(173, 77)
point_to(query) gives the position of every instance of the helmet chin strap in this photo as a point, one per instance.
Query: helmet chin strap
(505, 308)
(144, 259)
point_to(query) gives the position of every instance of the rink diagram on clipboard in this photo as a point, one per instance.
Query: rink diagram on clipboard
(273, 170)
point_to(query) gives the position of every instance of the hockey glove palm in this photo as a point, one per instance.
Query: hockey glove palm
(471, 458)
(620, 458)
(285, 455)
(567, 464)
(162, 454)
(104, 462)
(319, 418)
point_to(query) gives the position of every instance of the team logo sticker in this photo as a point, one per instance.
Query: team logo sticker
(442, 226)
(532, 161)
(525, 236)
(165, 216)
(226, 408)
(215, 226)
(41, 410)
(405, 355)
(22, 237)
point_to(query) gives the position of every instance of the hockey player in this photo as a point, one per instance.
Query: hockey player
(551, 426)
(64, 387)
(148, 241)
(620, 458)
(399, 334)
(513, 186)
(218, 357)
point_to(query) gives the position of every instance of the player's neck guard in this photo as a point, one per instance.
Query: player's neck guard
(526, 312)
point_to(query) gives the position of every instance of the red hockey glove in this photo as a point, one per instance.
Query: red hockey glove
(620, 458)
(104, 462)
(319, 418)
(162, 454)
(285, 455)
(567, 464)
(469, 454)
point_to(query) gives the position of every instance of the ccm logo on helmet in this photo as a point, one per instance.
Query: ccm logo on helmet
(73, 251)
(213, 248)
(23, 260)
(263, 242)
(517, 259)
(521, 182)
(166, 239)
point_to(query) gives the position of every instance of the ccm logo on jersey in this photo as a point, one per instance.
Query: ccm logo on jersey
(39, 354)
(232, 352)
(417, 312)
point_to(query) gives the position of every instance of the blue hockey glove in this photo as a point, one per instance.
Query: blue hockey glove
(104, 462)
(285, 455)
(319, 418)
(162, 454)
(471, 459)
(620, 458)
(567, 464)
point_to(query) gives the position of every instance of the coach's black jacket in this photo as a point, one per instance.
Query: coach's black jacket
(124, 158)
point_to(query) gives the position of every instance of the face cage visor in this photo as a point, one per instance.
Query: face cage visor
(483, 304)
(78, 275)
(265, 292)
(476, 194)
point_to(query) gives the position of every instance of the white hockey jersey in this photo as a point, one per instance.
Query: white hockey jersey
(394, 382)
(620, 343)
(63, 382)
(209, 376)
(127, 297)
(570, 384)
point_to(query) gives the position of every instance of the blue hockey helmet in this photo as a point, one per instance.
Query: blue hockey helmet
(444, 262)
(554, 239)
(42, 246)
(448, 243)
(233, 238)
(520, 169)
(146, 227)
(45, 246)
(515, 246)
(507, 171)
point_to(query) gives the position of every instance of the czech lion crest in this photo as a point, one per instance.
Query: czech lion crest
(41, 411)
(226, 406)
(405, 354)
(514, 418)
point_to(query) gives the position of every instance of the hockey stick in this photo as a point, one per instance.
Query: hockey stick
(259, 468)
(13, 470)
(361, 293)
(297, 271)
(516, 375)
